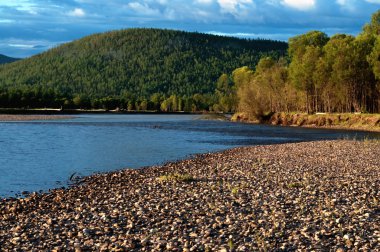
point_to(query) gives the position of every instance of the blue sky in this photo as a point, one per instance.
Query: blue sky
(28, 27)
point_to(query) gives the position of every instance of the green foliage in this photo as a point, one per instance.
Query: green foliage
(334, 74)
(305, 50)
(299, 44)
(373, 27)
(263, 91)
(226, 94)
(131, 69)
(241, 76)
(295, 185)
(374, 58)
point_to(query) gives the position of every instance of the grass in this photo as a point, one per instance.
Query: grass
(176, 177)
(295, 185)
(235, 190)
(230, 244)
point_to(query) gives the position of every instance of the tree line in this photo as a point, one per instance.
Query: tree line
(133, 69)
(320, 74)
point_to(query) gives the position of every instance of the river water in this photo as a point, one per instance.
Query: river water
(40, 155)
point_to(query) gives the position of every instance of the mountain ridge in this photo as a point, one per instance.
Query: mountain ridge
(135, 63)
(6, 59)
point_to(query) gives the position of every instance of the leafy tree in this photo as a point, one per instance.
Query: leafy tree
(242, 76)
(226, 94)
(263, 91)
(328, 75)
(374, 26)
(305, 51)
(374, 58)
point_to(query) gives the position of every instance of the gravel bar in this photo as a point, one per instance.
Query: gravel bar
(311, 196)
(4, 117)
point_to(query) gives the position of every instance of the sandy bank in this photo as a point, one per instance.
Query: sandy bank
(319, 196)
(4, 117)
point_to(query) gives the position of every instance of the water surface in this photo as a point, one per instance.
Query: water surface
(39, 155)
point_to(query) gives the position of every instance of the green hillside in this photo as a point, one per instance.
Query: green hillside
(128, 66)
(5, 59)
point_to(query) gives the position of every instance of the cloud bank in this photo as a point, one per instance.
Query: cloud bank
(54, 21)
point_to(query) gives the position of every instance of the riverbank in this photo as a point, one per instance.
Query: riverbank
(53, 111)
(306, 196)
(7, 117)
(366, 122)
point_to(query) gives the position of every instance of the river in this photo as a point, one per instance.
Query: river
(40, 155)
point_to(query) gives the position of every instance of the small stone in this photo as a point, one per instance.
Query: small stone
(193, 235)
(144, 242)
(16, 240)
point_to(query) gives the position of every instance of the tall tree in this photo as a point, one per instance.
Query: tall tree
(226, 94)
(304, 51)
(374, 58)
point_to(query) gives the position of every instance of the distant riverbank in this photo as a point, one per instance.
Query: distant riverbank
(301, 196)
(10, 117)
(53, 111)
(346, 121)
(367, 122)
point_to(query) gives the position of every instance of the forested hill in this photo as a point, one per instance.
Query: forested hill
(134, 63)
(5, 59)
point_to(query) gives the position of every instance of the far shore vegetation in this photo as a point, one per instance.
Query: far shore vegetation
(171, 71)
(352, 121)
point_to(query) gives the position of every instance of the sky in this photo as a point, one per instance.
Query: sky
(29, 27)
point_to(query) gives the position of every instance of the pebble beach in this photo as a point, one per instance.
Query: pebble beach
(310, 196)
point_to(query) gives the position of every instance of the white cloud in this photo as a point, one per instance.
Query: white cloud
(163, 2)
(373, 1)
(272, 2)
(342, 2)
(234, 34)
(204, 1)
(77, 12)
(84, 1)
(275, 36)
(23, 44)
(21, 5)
(6, 21)
(348, 5)
(301, 4)
(143, 9)
(232, 6)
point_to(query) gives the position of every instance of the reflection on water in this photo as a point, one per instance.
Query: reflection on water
(42, 155)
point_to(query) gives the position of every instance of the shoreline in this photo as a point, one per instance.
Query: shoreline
(339, 121)
(281, 119)
(310, 195)
(51, 111)
(19, 117)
